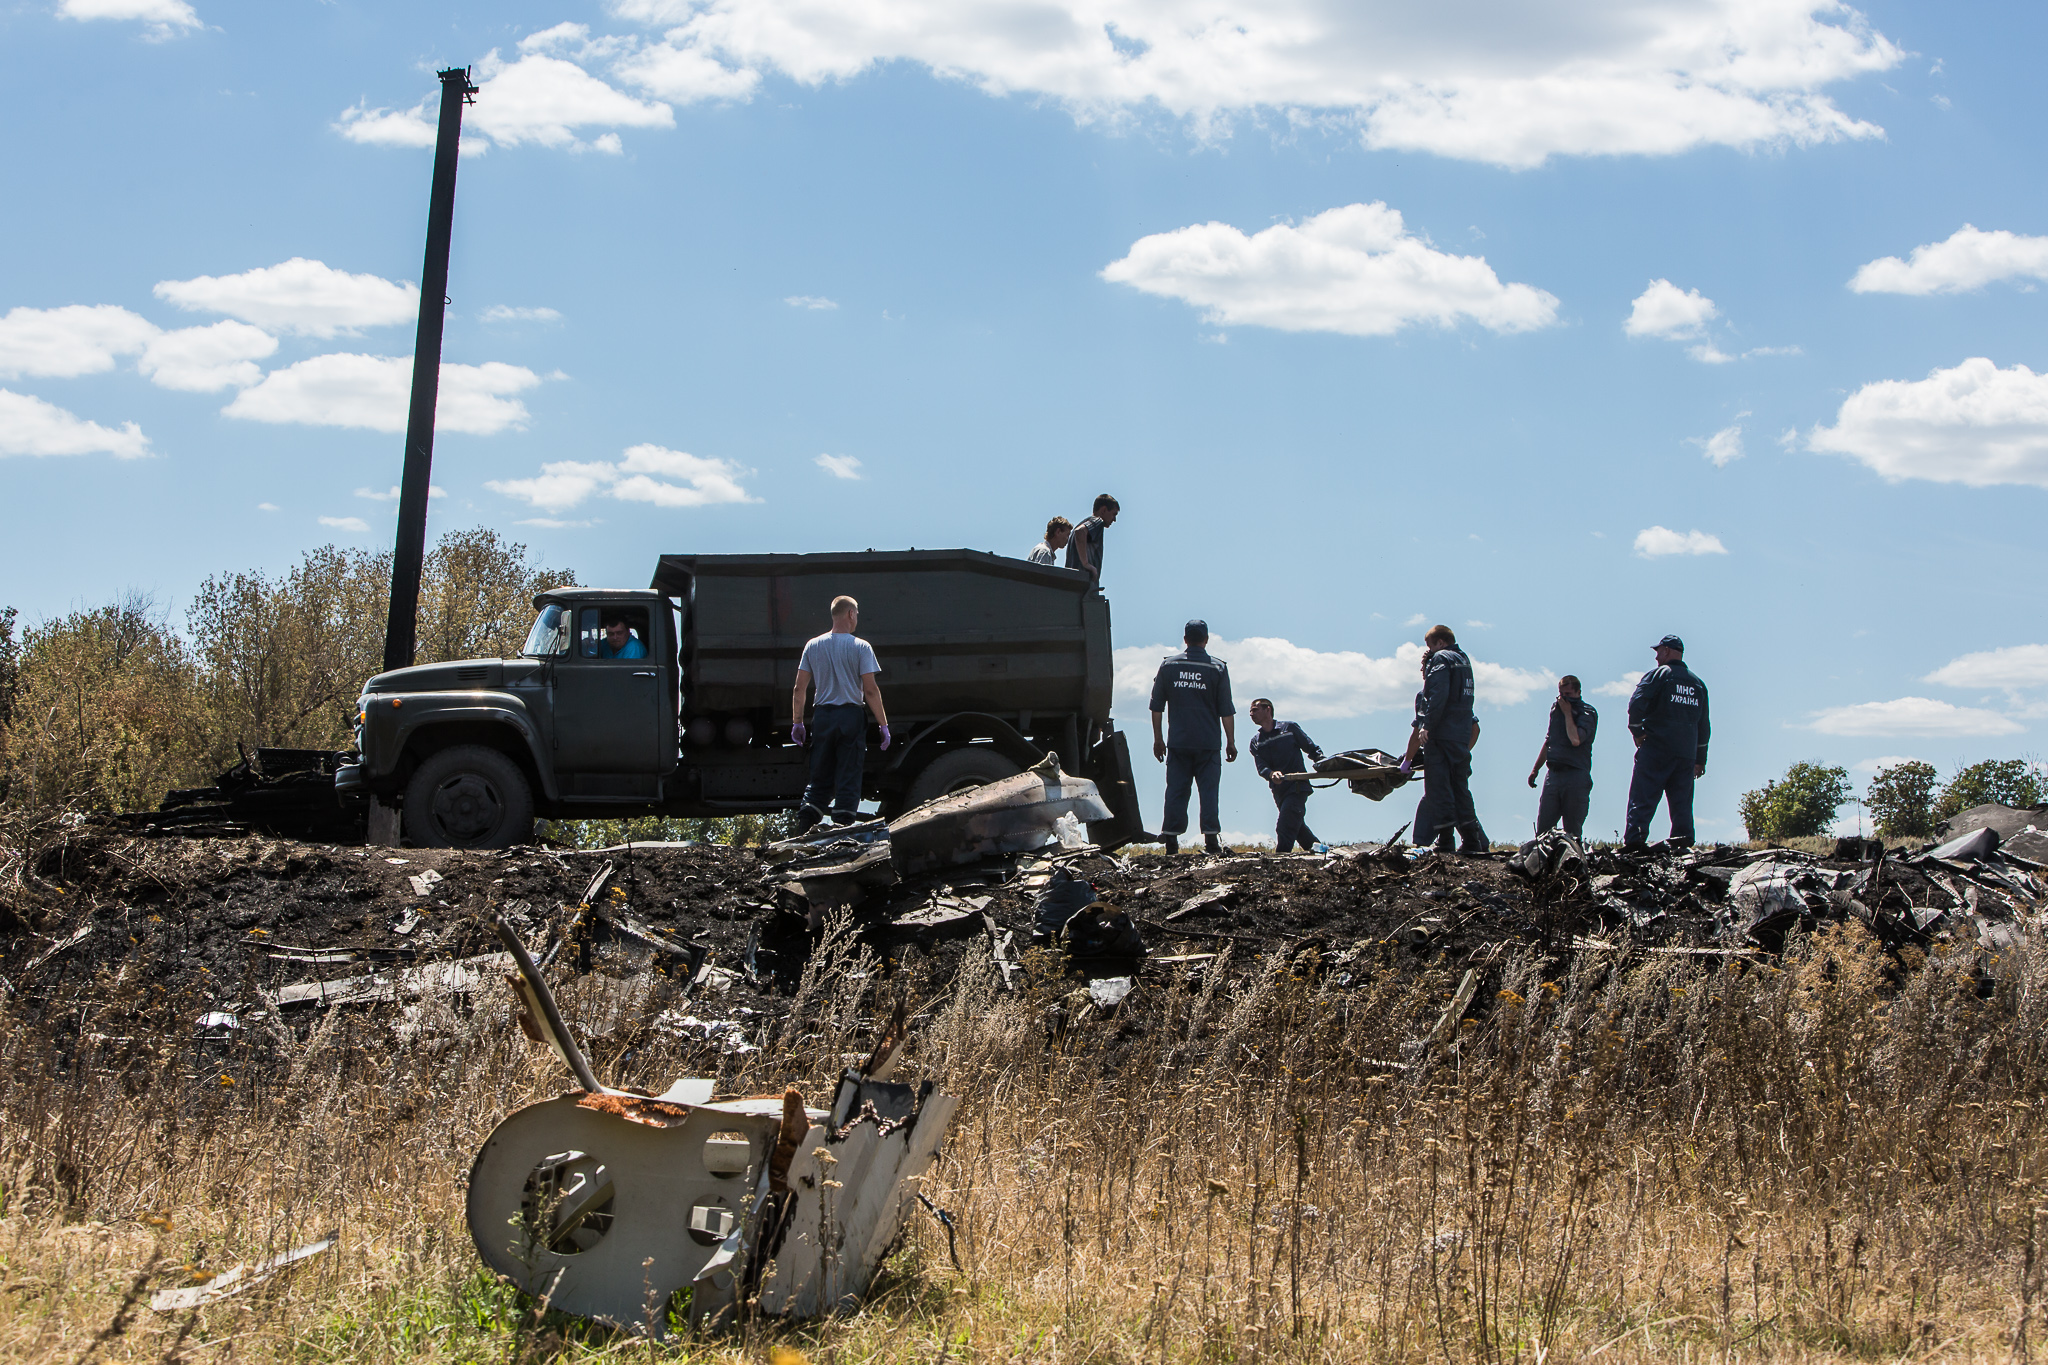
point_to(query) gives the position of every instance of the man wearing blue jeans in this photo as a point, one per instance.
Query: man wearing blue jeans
(1192, 689)
(843, 665)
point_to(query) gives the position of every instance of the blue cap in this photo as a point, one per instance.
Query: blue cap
(1196, 627)
(1672, 642)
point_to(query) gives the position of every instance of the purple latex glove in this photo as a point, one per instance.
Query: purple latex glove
(797, 734)
(1407, 766)
(885, 739)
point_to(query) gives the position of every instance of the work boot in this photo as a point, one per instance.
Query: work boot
(1172, 842)
(807, 819)
(1212, 843)
(1473, 850)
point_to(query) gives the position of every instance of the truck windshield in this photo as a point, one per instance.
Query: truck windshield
(550, 633)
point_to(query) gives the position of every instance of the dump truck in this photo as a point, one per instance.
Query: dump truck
(987, 665)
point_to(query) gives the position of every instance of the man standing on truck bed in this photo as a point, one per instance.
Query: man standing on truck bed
(1084, 549)
(844, 667)
(1194, 687)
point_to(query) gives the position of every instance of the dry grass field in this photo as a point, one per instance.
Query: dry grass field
(1828, 1158)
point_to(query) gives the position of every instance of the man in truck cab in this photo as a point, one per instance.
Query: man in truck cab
(619, 641)
(843, 666)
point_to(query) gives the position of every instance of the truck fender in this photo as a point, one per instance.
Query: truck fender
(1008, 741)
(513, 719)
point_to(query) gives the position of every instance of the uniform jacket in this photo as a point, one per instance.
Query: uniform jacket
(1193, 688)
(1669, 710)
(1558, 751)
(1281, 751)
(1444, 706)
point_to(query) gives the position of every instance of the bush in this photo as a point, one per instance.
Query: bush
(2005, 782)
(1803, 803)
(1901, 800)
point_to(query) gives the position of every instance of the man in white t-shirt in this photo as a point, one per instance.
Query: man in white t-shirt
(844, 668)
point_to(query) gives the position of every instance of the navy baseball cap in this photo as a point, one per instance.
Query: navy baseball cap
(1196, 627)
(1672, 642)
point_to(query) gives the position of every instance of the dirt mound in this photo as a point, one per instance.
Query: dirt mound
(220, 932)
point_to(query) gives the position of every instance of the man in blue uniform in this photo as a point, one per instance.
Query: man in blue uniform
(1444, 732)
(844, 667)
(1192, 688)
(1668, 717)
(1568, 752)
(1278, 747)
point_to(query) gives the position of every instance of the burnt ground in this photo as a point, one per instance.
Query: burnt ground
(99, 924)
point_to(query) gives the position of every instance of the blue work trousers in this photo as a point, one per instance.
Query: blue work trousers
(1447, 799)
(839, 743)
(1567, 792)
(1292, 827)
(1665, 776)
(1204, 769)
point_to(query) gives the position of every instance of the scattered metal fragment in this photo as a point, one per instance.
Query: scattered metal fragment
(463, 976)
(1007, 816)
(608, 1201)
(78, 936)
(229, 1283)
(425, 882)
(1219, 894)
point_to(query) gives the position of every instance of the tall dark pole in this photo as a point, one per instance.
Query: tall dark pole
(402, 626)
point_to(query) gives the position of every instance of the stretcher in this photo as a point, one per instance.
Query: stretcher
(1372, 773)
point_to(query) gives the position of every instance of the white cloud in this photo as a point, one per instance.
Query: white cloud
(1911, 716)
(1657, 541)
(839, 466)
(1724, 447)
(1664, 310)
(1975, 424)
(1968, 260)
(161, 18)
(30, 426)
(1508, 84)
(1878, 765)
(2010, 668)
(552, 524)
(267, 507)
(345, 523)
(374, 391)
(382, 127)
(499, 312)
(1354, 270)
(545, 99)
(1624, 686)
(1707, 353)
(673, 478)
(434, 490)
(1308, 684)
(298, 295)
(63, 343)
(1418, 619)
(812, 301)
(647, 473)
(206, 359)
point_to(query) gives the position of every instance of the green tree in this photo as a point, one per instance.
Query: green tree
(108, 711)
(2006, 782)
(1803, 802)
(1900, 800)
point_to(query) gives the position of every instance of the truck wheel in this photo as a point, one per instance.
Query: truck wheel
(976, 765)
(468, 797)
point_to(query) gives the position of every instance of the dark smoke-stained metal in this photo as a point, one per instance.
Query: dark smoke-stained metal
(402, 626)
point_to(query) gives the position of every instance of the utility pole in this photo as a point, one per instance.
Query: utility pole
(401, 628)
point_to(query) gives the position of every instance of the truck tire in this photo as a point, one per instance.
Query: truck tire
(468, 796)
(976, 765)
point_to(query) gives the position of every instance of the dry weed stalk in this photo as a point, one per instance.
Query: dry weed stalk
(1818, 1157)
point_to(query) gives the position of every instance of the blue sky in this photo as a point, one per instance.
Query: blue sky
(1720, 319)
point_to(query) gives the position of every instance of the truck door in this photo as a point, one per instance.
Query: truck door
(608, 710)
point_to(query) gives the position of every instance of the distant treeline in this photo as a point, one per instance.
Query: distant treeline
(1904, 801)
(110, 707)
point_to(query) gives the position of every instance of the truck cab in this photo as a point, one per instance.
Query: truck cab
(674, 699)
